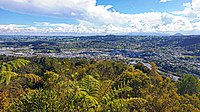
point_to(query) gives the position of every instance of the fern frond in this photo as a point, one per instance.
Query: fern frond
(5, 76)
(15, 64)
(136, 103)
(31, 77)
(90, 85)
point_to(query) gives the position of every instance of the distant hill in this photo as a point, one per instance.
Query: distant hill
(178, 34)
(190, 40)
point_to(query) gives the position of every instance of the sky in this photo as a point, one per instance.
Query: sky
(99, 16)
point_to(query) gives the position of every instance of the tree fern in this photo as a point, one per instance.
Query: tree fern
(5, 76)
(90, 85)
(105, 87)
(30, 77)
(13, 65)
(126, 105)
(6, 73)
(135, 103)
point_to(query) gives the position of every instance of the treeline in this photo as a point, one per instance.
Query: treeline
(81, 85)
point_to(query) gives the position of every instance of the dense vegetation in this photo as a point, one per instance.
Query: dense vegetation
(82, 85)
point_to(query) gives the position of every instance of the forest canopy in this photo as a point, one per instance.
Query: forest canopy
(82, 85)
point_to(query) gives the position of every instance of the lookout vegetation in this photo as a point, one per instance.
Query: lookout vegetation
(80, 85)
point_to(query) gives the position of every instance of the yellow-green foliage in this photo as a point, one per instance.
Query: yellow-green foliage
(6, 73)
(5, 76)
(90, 85)
(13, 65)
(30, 77)
(81, 85)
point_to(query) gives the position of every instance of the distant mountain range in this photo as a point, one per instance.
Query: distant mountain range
(154, 34)
(148, 34)
(99, 34)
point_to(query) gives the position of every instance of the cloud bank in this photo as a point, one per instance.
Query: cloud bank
(95, 18)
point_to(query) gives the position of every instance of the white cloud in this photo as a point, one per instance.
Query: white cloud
(98, 18)
(77, 9)
(163, 22)
(192, 13)
(165, 0)
(192, 9)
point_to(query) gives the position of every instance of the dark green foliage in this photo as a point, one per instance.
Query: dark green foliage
(189, 85)
(141, 67)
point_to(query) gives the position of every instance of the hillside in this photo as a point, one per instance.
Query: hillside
(82, 85)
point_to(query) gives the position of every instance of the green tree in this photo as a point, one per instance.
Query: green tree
(155, 77)
(41, 101)
(190, 101)
(163, 97)
(189, 85)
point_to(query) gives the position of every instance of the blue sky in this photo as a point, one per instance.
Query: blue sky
(99, 16)
(123, 6)
(141, 6)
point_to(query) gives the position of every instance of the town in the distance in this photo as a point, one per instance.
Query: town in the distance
(175, 55)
